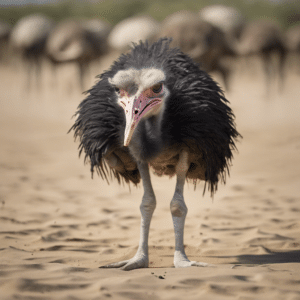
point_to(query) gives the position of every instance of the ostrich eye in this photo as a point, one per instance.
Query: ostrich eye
(117, 90)
(157, 88)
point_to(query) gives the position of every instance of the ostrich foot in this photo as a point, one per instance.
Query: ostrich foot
(188, 263)
(130, 264)
(181, 261)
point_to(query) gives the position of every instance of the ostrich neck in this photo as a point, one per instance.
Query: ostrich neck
(147, 141)
(153, 128)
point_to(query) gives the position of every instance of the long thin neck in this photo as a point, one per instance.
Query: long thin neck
(147, 142)
(153, 127)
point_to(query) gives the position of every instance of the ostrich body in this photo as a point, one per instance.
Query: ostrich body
(5, 30)
(203, 42)
(293, 45)
(133, 30)
(30, 34)
(98, 31)
(29, 38)
(293, 39)
(77, 42)
(228, 19)
(155, 108)
(264, 38)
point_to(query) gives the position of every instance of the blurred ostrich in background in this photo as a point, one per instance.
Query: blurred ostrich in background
(293, 45)
(265, 39)
(293, 38)
(217, 37)
(79, 42)
(28, 38)
(228, 19)
(5, 30)
(205, 43)
(133, 30)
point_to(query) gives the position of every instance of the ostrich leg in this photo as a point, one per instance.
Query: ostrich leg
(141, 260)
(38, 73)
(282, 63)
(268, 70)
(82, 73)
(28, 66)
(179, 211)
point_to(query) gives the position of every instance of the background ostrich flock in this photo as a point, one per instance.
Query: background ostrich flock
(217, 37)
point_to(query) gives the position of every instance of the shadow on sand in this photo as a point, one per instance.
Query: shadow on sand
(268, 258)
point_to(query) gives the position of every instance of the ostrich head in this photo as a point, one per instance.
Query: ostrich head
(141, 93)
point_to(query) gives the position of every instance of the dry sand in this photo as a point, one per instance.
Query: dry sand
(57, 225)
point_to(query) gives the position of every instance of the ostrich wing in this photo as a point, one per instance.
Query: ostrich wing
(99, 125)
(197, 115)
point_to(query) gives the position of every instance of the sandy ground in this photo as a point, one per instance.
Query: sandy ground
(57, 225)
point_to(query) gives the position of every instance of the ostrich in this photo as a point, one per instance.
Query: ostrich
(131, 30)
(98, 31)
(264, 38)
(5, 30)
(77, 42)
(155, 107)
(29, 37)
(293, 38)
(228, 19)
(293, 43)
(202, 41)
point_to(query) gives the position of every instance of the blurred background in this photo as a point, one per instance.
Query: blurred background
(286, 12)
(222, 36)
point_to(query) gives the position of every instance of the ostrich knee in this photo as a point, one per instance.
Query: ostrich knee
(148, 205)
(178, 208)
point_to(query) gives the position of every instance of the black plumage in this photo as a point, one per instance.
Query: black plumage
(196, 118)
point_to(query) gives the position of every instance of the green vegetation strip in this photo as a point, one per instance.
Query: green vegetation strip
(113, 11)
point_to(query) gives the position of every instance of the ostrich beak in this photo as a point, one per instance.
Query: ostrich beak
(136, 108)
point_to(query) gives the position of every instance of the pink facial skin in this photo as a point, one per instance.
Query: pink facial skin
(147, 103)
